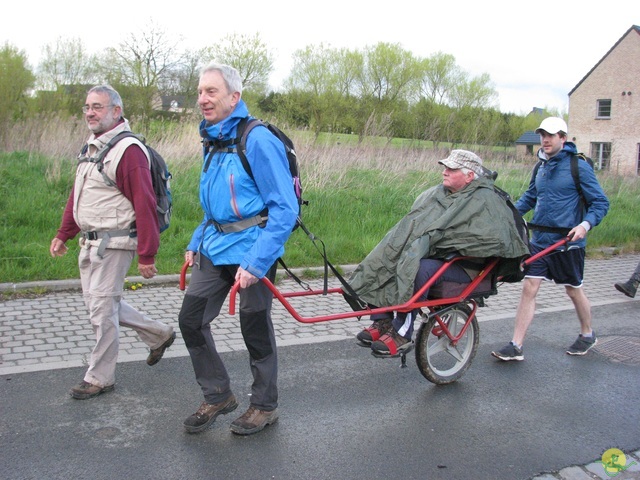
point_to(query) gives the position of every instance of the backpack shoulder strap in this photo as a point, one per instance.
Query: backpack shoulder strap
(575, 173)
(103, 153)
(244, 128)
(534, 172)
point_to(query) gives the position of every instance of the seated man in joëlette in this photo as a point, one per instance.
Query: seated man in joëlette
(463, 215)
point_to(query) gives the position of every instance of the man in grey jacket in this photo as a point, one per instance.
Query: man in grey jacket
(465, 215)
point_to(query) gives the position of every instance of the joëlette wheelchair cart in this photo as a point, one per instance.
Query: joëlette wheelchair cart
(447, 339)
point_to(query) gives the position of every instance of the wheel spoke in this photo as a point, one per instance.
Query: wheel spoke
(453, 351)
(440, 346)
(439, 360)
(443, 344)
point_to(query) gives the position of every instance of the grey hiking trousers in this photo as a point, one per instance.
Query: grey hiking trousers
(208, 288)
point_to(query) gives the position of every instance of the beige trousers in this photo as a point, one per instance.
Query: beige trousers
(102, 287)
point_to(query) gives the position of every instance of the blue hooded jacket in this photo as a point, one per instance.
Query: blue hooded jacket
(555, 201)
(228, 194)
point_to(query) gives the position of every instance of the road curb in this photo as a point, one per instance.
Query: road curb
(74, 284)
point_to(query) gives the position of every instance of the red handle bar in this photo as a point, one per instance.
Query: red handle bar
(544, 252)
(411, 304)
(183, 276)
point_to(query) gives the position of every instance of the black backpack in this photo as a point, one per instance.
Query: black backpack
(239, 145)
(160, 176)
(510, 269)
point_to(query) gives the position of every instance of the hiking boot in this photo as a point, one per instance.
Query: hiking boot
(629, 288)
(390, 345)
(583, 344)
(156, 354)
(207, 413)
(85, 390)
(372, 333)
(509, 352)
(253, 420)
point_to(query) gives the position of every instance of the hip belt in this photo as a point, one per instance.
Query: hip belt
(259, 220)
(106, 235)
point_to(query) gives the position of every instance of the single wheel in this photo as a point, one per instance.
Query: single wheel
(439, 360)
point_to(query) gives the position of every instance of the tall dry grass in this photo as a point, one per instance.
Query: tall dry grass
(324, 160)
(60, 138)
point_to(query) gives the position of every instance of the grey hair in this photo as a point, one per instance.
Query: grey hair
(230, 75)
(114, 97)
(467, 170)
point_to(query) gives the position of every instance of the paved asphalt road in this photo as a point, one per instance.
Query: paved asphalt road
(344, 415)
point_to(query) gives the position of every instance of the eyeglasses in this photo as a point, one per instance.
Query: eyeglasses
(96, 107)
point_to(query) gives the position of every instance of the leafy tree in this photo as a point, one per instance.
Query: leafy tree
(312, 70)
(314, 75)
(64, 74)
(139, 65)
(389, 72)
(477, 92)
(349, 68)
(249, 55)
(65, 62)
(439, 74)
(182, 80)
(16, 80)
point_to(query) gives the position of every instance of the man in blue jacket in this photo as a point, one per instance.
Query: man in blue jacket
(559, 211)
(246, 224)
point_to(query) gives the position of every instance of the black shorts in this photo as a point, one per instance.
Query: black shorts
(564, 267)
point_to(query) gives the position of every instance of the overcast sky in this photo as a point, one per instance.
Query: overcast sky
(534, 53)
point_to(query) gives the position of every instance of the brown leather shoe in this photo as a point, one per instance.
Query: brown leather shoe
(207, 413)
(373, 332)
(156, 354)
(85, 390)
(253, 420)
(391, 345)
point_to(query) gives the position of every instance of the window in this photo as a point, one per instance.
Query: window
(601, 155)
(604, 109)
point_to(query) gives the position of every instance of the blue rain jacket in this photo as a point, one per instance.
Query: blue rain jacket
(555, 201)
(228, 194)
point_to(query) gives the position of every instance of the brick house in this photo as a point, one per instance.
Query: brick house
(604, 108)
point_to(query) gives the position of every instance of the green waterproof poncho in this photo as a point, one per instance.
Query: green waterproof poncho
(474, 221)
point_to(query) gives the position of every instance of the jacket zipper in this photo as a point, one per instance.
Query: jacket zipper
(234, 202)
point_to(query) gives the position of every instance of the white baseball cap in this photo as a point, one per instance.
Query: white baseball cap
(553, 125)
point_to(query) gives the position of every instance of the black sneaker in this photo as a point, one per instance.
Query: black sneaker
(583, 344)
(508, 353)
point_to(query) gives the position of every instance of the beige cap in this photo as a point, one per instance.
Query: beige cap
(463, 159)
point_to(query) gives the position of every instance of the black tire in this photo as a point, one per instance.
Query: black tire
(438, 360)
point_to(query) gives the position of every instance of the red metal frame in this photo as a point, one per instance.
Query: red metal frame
(413, 303)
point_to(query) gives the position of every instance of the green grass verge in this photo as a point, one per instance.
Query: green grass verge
(349, 214)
